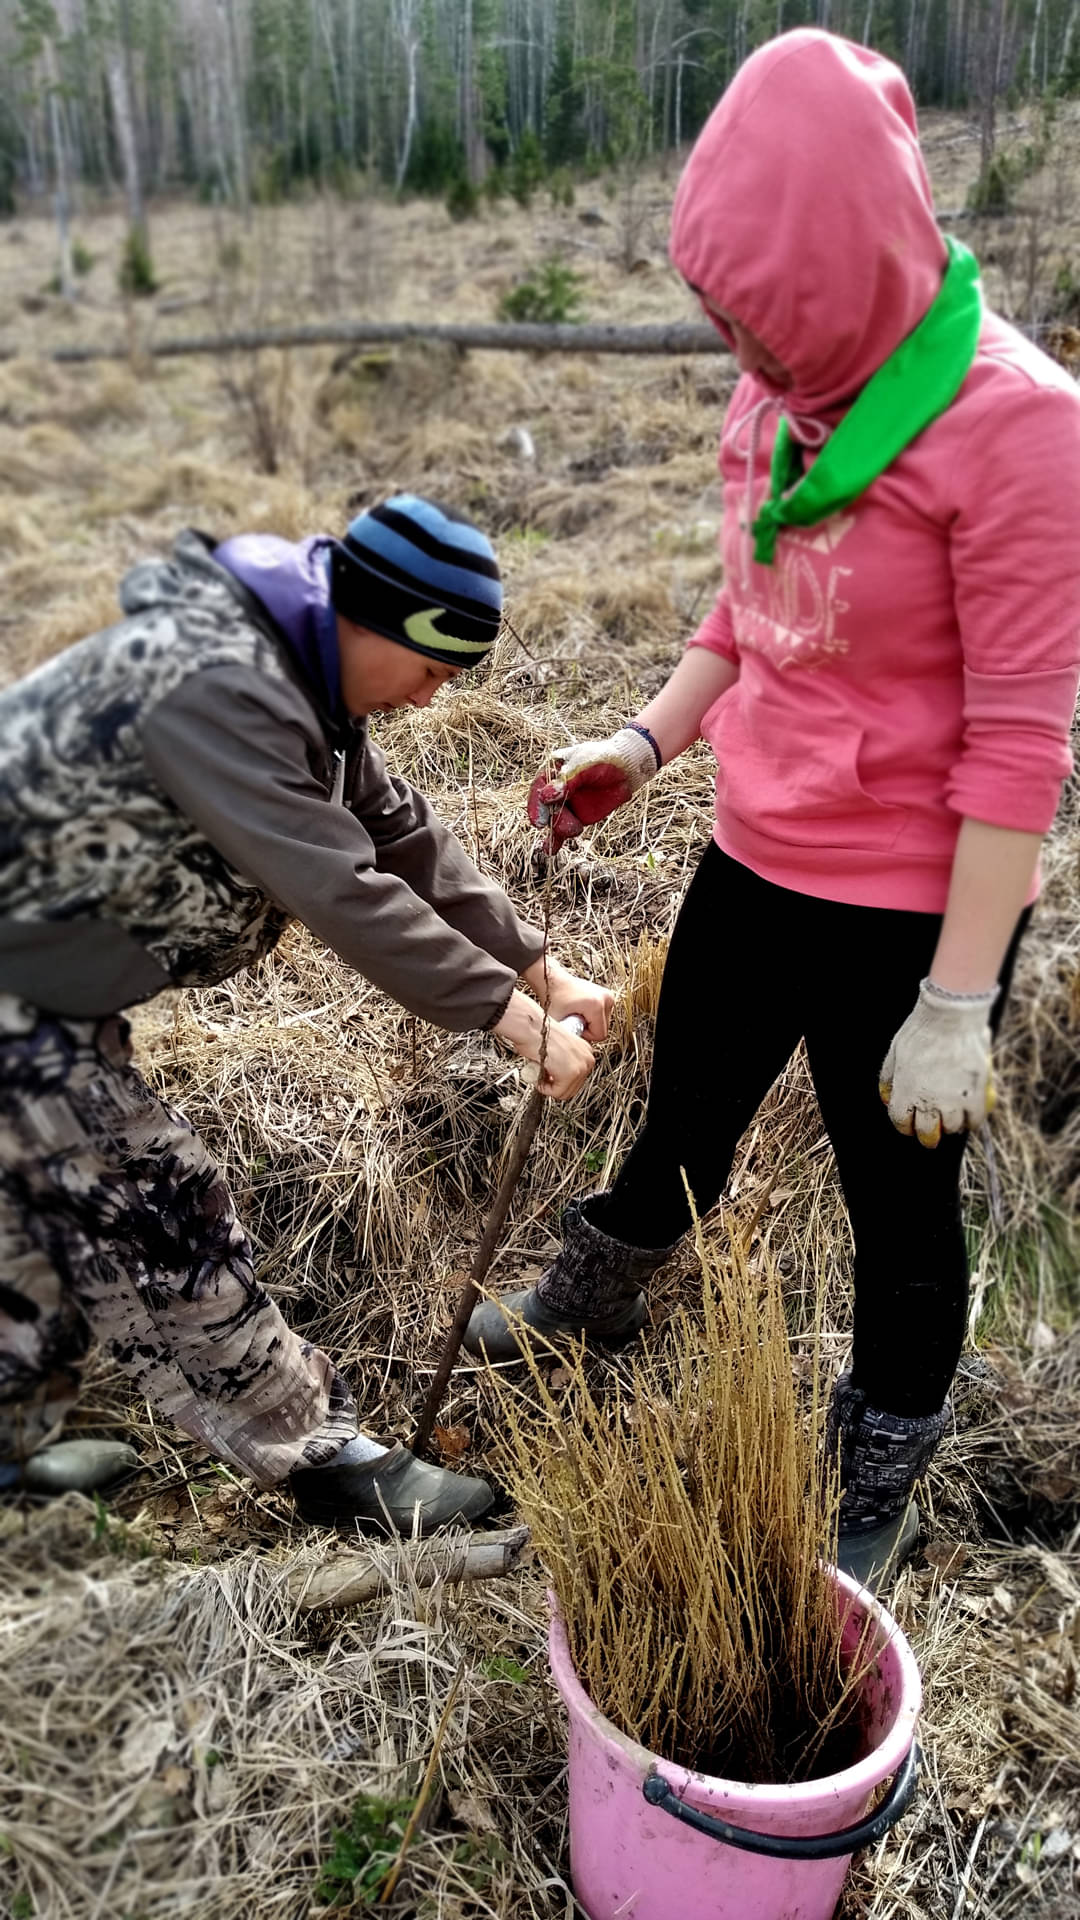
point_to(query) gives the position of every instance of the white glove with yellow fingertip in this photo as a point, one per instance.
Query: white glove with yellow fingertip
(937, 1076)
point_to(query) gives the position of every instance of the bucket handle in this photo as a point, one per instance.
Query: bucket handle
(811, 1846)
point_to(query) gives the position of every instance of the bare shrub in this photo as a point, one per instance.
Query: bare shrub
(258, 387)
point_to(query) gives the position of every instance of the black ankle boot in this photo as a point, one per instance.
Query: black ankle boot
(592, 1288)
(882, 1455)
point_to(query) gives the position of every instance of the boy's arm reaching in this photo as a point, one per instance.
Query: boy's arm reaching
(232, 750)
(412, 843)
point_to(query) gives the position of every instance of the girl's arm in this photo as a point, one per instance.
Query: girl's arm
(991, 880)
(1015, 566)
(674, 717)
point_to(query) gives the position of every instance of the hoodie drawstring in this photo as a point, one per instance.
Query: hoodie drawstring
(806, 430)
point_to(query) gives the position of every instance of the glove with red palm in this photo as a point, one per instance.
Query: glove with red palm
(588, 781)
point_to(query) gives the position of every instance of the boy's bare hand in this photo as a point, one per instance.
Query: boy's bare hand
(563, 994)
(568, 1061)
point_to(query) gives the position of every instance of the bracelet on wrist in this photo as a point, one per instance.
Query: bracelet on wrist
(635, 726)
(984, 999)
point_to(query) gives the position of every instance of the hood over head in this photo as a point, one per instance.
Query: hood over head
(805, 212)
(291, 578)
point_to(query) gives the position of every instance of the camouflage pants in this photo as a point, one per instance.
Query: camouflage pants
(116, 1224)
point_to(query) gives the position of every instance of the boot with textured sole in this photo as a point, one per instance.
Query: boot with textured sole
(592, 1289)
(386, 1494)
(882, 1455)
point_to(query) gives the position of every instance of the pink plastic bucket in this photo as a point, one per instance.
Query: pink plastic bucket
(634, 1854)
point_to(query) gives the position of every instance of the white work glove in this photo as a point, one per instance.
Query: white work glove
(937, 1076)
(586, 782)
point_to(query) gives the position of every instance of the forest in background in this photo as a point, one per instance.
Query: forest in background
(246, 101)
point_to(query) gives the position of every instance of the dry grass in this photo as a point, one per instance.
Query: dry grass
(364, 1148)
(193, 1747)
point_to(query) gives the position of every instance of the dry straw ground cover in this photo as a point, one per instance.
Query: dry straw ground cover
(174, 1737)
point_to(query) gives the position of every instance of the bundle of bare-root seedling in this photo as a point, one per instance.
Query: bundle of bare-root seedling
(685, 1510)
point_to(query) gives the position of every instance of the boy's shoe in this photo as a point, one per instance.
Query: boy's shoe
(387, 1493)
(592, 1289)
(70, 1466)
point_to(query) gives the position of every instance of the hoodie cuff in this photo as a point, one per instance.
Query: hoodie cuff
(522, 948)
(490, 1025)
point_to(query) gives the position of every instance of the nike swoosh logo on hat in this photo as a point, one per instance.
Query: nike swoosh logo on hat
(423, 632)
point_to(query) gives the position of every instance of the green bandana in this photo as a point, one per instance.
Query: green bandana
(910, 389)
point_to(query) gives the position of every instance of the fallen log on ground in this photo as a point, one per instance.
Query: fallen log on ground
(352, 1577)
(523, 336)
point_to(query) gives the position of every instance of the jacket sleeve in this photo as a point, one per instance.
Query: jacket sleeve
(412, 843)
(717, 631)
(1015, 553)
(231, 749)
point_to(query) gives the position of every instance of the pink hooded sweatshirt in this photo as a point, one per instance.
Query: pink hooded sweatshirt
(914, 658)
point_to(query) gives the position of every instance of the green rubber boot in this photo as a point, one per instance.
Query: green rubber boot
(71, 1466)
(385, 1495)
(872, 1558)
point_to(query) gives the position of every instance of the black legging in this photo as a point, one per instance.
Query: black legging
(753, 968)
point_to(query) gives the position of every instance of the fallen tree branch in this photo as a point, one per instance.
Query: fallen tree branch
(352, 1577)
(524, 336)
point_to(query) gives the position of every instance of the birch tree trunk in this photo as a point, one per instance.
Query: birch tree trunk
(122, 96)
(62, 194)
(215, 122)
(1067, 39)
(234, 91)
(325, 24)
(405, 20)
(669, 36)
(122, 89)
(1034, 48)
(372, 140)
(989, 57)
(473, 168)
(350, 82)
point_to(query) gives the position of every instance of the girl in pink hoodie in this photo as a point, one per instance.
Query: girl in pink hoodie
(887, 679)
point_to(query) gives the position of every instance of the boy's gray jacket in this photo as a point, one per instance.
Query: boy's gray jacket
(170, 799)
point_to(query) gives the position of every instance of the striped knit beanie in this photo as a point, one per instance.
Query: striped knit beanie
(421, 575)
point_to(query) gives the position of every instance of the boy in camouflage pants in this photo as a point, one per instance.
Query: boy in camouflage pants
(113, 1217)
(173, 792)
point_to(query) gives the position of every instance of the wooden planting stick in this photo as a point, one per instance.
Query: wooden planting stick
(485, 1252)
